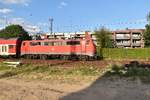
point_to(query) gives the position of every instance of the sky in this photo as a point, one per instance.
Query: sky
(74, 15)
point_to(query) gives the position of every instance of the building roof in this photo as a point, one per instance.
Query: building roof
(129, 30)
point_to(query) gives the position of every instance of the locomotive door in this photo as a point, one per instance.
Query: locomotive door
(3, 49)
(83, 47)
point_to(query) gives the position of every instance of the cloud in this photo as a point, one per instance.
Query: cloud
(62, 4)
(22, 2)
(1, 28)
(43, 24)
(17, 20)
(2, 21)
(26, 25)
(21, 21)
(5, 10)
(32, 28)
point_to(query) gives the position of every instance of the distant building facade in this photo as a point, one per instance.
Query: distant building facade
(129, 38)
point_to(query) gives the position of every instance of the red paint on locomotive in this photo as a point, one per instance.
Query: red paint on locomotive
(84, 47)
(56, 47)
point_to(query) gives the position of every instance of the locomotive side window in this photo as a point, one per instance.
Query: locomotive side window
(35, 43)
(64, 43)
(73, 43)
(57, 43)
(48, 43)
(11, 46)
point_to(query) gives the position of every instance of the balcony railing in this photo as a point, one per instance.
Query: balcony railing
(136, 44)
(122, 37)
(136, 37)
(123, 44)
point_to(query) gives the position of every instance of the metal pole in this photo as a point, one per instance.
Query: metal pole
(51, 25)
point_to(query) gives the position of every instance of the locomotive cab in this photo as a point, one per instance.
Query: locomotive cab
(58, 48)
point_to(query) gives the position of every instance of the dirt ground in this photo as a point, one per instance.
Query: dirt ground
(99, 89)
(92, 88)
(20, 89)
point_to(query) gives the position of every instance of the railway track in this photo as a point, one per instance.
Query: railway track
(71, 63)
(62, 63)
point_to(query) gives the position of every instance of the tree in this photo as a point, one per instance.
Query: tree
(103, 39)
(147, 32)
(14, 31)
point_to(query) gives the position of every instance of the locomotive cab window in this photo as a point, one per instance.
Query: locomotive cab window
(35, 43)
(73, 43)
(24, 44)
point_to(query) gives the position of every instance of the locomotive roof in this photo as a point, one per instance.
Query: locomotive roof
(56, 40)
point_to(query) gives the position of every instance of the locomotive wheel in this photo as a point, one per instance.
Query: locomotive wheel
(65, 57)
(34, 56)
(90, 58)
(28, 56)
(83, 58)
(43, 57)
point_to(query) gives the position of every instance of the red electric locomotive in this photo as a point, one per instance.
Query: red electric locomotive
(54, 48)
(67, 49)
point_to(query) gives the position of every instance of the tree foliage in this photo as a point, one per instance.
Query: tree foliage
(147, 32)
(14, 31)
(147, 36)
(103, 38)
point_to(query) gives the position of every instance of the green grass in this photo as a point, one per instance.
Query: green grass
(46, 71)
(120, 53)
(58, 72)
